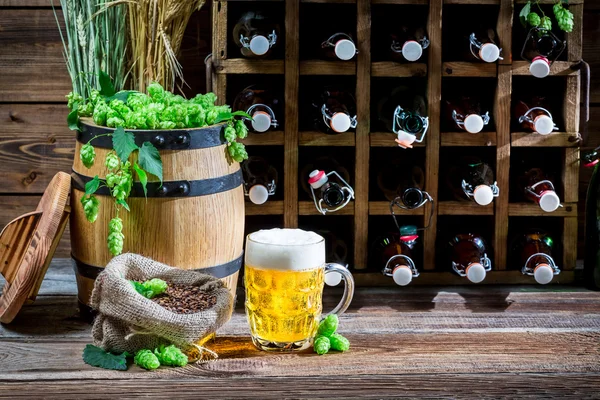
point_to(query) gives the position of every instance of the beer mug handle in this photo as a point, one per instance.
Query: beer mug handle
(348, 286)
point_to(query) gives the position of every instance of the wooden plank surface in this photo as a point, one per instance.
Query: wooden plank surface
(383, 208)
(555, 139)
(245, 66)
(386, 139)
(464, 208)
(469, 69)
(269, 138)
(315, 138)
(395, 69)
(321, 67)
(308, 208)
(271, 207)
(485, 139)
(534, 210)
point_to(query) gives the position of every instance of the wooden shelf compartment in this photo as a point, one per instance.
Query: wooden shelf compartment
(533, 210)
(466, 139)
(269, 138)
(386, 139)
(315, 138)
(392, 69)
(269, 208)
(236, 66)
(464, 208)
(307, 207)
(321, 67)
(554, 139)
(383, 208)
(558, 68)
(469, 69)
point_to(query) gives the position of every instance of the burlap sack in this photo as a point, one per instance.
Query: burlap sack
(127, 321)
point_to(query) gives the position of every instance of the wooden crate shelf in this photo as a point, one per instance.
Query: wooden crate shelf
(367, 144)
(466, 139)
(312, 138)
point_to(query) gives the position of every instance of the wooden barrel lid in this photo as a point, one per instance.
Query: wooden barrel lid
(27, 245)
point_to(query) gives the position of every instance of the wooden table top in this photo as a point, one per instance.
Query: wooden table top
(442, 342)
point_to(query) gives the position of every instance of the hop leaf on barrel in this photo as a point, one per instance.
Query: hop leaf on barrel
(171, 356)
(87, 154)
(329, 325)
(322, 345)
(146, 359)
(91, 206)
(115, 236)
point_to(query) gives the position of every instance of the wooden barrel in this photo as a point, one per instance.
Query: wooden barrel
(195, 220)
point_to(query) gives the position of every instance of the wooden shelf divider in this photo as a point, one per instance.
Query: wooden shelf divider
(315, 138)
(466, 139)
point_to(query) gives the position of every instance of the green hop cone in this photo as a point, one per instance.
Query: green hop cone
(146, 359)
(112, 179)
(211, 116)
(112, 161)
(533, 19)
(72, 99)
(91, 206)
(322, 345)
(546, 23)
(237, 151)
(87, 154)
(339, 343)
(230, 133)
(171, 356)
(328, 325)
(156, 286)
(115, 236)
(85, 109)
(241, 129)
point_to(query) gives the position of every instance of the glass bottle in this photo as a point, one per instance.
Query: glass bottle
(465, 113)
(408, 44)
(483, 46)
(260, 103)
(334, 111)
(536, 118)
(256, 34)
(591, 262)
(535, 255)
(473, 180)
(329, 195)
(260, 179)
(469, 256)
(398, 179)
(393, 254)
(339, 46)
(539, 189)
(541, 48)
(404, 113)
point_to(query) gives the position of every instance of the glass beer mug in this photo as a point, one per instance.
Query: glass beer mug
(284, 276)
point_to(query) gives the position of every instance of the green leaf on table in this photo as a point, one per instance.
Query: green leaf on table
(123, 204)
(107, 88)
(524, 13)
(73, 118)
(123, 143)
(149, 159)
(92, 186)
(122, 95)
(142, 176)
(97, 357)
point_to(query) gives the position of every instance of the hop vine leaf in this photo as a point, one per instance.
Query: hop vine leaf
(97, 357)
(123, 143)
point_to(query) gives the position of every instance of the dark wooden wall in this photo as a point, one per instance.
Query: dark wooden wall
(34, 140)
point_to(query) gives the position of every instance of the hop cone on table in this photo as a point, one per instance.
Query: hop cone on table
(171, 356)
(146, 359)
(322, 345)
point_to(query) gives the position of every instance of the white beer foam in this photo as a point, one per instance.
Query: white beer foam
(285, 249)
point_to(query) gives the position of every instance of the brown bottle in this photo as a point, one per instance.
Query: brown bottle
(260, 179)
(327, 183)
(472, 180)
(483, 46)
(534, 118)
(261, 105)
(398, 179)
(339, 46)
(469, 256)
(541, 49)
(408, 44)
(334, 111)
(394, 255)
(256, 34)
(535, 254)
(404, 112)
(539, 189)
(465, 114)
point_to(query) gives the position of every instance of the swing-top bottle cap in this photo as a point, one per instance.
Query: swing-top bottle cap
(402, 275)
(340, 122)
(489, 52)
(261, 121)
(475, 272)
(259, 45)
(540, 67)
(483, 195)
(258, 194)
(412, 50)
(543, 274)
(543, 124)
(473, 123)
(345, 49)
(549, 201)
(317, 178)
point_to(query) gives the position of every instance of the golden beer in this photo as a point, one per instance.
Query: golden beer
(284, 277)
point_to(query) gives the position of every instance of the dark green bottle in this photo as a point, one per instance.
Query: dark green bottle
(591, 269)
